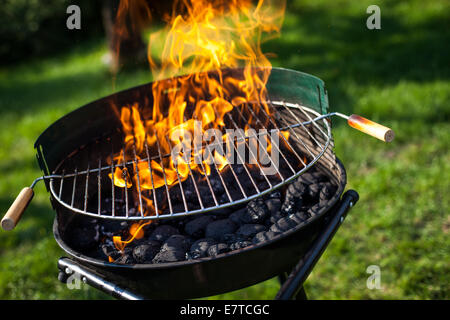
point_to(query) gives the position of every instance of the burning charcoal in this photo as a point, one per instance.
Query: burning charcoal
(248, 231)
(240, 245)
(219, 228)
(125, 259)
(216, 249)
(264, 236)
(110, 250)
(283, 224)
(196, 228)
(145, 252)
(273, 205)
(163, 232)
(200, 247)
(256, 212)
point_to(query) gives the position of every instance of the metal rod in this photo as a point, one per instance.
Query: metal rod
(295, 132)
(195, 186)
(60, 184)
(113, 211)
(178, 177)
(261, 146)
(164, 176)
(125, 177)
(151, 176)
(137, 176)
(99, 187)
(284, 138)
(221, 178)
(86, 188)
(243, 162)
(73, 186)
(209, 183)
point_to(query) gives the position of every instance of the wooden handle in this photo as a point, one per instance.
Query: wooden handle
(371, 128)
(14, 213)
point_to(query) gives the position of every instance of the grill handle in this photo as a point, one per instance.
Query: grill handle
(371, 128)
(16, 210)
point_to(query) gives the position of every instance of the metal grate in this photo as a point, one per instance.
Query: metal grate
(81, 182)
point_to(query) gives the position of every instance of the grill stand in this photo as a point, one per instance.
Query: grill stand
(291, 285)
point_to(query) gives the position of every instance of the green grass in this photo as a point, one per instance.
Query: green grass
(398, 75)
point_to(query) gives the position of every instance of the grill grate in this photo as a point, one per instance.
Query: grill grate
(74, 186)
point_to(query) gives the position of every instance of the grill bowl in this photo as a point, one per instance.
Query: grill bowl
(205, 276)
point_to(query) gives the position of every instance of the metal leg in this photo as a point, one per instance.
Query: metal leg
(70, 269)
(301, 295)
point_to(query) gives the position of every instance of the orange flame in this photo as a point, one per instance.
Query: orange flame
(200, 36)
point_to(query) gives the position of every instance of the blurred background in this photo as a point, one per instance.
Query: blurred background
(398, 76)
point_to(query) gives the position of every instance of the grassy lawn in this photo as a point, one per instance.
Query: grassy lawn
(398, 75)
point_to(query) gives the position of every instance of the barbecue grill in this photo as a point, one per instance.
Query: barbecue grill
(76, 156)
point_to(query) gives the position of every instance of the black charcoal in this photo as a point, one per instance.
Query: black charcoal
(200, 247)
(125, 259)
(257, 212)
(283, 225)
(163, 232)
(219, 228)
(248, 231)
(216, 249)
(84, 238)
(240, 245)
(264, 236)
(196, 228)
(236, 216)
(177, 242)
(314, 210)
(169, 256)
(145, 252)
(273, 205)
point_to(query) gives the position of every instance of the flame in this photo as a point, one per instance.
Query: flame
(200, 36)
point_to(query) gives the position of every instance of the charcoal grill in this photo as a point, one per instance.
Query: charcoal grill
(73, 153)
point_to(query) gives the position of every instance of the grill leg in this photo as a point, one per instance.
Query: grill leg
(300, 295)
(69, 268)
